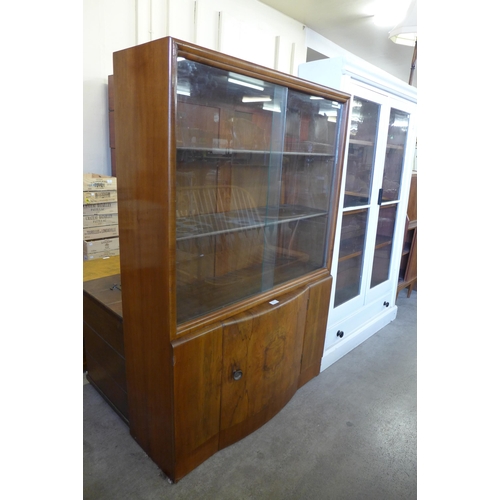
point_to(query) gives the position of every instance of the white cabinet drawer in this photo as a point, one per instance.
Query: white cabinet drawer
(340, 331)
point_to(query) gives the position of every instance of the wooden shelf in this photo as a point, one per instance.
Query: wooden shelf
(213, 224)
(361, 142)
(217, 153)
(350, 256)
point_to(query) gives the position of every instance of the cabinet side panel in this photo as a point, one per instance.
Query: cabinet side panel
(145, 156)
(315, 329)
(104, 355)
(411, 270)
(412, 200)
(197, 374)
(110, 391)
(102, 319)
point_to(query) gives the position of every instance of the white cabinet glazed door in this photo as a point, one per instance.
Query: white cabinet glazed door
(373, 199)
(389, 200)
(368, 234)
(352, 253)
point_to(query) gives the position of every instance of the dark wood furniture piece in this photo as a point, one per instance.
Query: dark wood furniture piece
(408, 268)
(103, 336)
(229, 178)
(111, 122)
(92, 270)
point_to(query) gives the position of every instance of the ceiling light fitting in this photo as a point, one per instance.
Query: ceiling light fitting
(245, 84)
(405, 33)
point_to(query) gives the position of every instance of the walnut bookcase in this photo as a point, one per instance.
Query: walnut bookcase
(228, 185)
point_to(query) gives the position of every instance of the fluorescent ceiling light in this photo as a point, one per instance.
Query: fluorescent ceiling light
(271, 107)
(245, 84)
(264, 98)
(400, 122)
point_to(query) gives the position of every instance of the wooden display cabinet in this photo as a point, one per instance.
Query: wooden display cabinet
(111, 124)
(408, 268)
(228, 186)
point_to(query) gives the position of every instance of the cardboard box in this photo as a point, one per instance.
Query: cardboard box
(94, 247)
(102, 255)
(94, 233)
(101, 208)
(95, 220)
(96, 182)
(99, 197)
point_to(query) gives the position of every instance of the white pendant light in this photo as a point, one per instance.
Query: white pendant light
(405, 32)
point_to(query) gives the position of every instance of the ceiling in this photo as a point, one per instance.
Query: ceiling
(352, 25)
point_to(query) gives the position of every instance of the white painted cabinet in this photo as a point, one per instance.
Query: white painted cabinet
(373, 199)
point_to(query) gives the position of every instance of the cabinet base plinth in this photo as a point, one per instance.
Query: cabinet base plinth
(356, 338)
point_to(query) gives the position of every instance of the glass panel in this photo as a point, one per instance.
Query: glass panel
(311, 124)
(351, 254)
(363, 134)
(255, 165)
(383, 245)
(394, 155)
(309, 162)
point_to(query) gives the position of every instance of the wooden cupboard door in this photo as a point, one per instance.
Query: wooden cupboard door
(315, 329)
(262, 350)
(197, 387)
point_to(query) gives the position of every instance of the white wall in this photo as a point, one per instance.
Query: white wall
(246, 29)
(322, 45)
(372, 73)
(108, 25)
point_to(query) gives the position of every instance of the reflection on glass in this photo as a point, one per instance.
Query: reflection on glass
(359, 169)
(359, 173)
(351, 254)
(383, 245)
(255, 165)
(318, 132)
(394, 155)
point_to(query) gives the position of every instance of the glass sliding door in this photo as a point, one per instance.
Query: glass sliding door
(255, 168)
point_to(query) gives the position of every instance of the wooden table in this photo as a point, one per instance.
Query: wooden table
(100, 268)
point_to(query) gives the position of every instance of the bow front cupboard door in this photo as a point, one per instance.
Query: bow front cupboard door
(262, 351)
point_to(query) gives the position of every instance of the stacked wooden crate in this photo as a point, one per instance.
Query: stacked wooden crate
(100, 217)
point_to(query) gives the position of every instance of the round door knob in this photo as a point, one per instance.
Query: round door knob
(386, 304)
(340, 333)
(237, 374)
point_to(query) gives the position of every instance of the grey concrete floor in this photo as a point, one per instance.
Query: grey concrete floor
(350, 433)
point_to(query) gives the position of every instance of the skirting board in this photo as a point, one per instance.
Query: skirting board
(341, 348)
